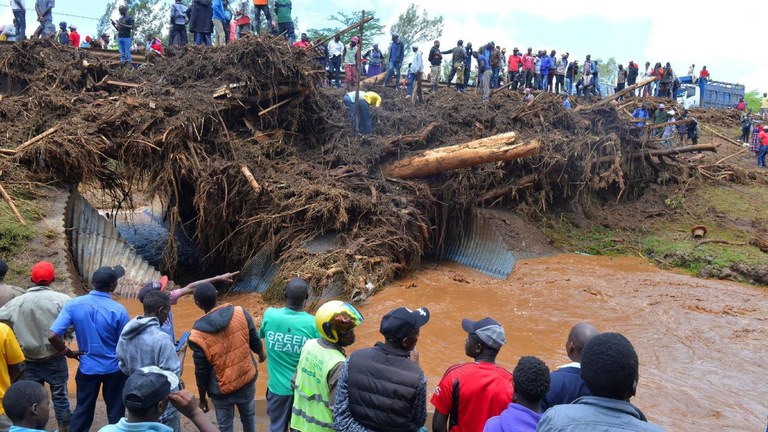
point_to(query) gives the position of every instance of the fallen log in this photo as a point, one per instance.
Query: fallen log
(251, 180)
(663, 125)
(506, 190)
(492, 149)
(719, 135)
(121, 84)
(662, 152)
(341, 32)
(373, 80)
(717, 241)
(275, 106)
(10, 203)
(43, 135)
(414, 138)
(622, 92)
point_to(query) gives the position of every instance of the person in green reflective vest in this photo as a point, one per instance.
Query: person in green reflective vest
(320, 363)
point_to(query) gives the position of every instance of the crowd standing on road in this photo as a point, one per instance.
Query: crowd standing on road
(314, 383)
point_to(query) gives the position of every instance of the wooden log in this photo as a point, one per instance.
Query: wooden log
(251, 180)
(496, 148)
(10, 203)
(38, 138)
(415, 138)
(341, 32)
(506, 190)
(719, 135)
(623, 92)
(275, 106)
(122, 84)
(373, 80)
(663, 125)
(508, 85)
(662, 152)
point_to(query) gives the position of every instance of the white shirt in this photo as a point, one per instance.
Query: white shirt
(335, 48)
(417, 64)
(14, 5)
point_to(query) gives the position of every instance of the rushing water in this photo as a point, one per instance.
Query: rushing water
(701, 342)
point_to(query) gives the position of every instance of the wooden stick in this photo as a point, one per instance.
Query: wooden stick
(358, 67)
(663, 125)
(38, 138)
(662, 152)
(352, 27)
(10, 203)
(623, 92)
(699, 243)
(122, 84)
(277, 105)
(717, 134)
(251, 180)
(508, 85)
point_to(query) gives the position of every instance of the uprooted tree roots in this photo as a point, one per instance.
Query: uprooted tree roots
(188, 127)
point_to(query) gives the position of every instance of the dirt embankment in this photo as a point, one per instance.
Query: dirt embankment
(187, 127)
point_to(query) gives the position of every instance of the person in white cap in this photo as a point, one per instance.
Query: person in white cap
(659, 116)
(74, 36)
(471, 393)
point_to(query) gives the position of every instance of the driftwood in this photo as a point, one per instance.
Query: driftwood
(122, 84)
(492, 149)
(623, 92)
(373, 80)
(670, 123)
(414, 138)
(506, 190)
(10, 203)
(719, 135)
(662, 152)
(251, 180)
(275, 106)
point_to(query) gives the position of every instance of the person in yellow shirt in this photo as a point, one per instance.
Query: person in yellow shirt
(764, 106)
(364, 124)
(11, 359)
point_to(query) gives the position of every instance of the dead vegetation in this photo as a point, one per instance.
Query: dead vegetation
(191, 127)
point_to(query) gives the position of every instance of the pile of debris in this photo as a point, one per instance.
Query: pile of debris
(250, 154)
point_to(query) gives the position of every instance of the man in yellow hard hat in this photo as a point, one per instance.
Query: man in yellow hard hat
(320, 365)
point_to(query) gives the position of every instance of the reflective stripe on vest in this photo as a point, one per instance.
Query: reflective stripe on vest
(311, 408)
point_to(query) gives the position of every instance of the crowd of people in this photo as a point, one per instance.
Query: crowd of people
(313, 385)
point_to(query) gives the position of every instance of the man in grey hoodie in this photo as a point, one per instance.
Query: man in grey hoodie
(142, 343)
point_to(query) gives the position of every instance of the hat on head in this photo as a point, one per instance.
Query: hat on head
(43, 272)
(105, 276)
(399, 323)
(355, 39)
(73, 27)
(487, 329)
(144, 390)
(158, 285)
(661, 105)
(87, 38)
(394, 34)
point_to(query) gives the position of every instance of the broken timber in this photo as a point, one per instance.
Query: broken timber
(496, 148)
(623, 92)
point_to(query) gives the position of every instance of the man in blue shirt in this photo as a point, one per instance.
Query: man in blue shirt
(483, 74)
(98, 321)
(396, 54)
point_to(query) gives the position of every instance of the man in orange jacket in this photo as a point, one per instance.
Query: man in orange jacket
(222, 342)
(262, 6)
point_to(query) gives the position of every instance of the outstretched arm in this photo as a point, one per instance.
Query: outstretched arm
(189, 289)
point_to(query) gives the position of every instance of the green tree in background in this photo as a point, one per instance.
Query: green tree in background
(753, 100)
(104, 25)
(608, 70)
(150, 16)
(371, 30)
(414, 27)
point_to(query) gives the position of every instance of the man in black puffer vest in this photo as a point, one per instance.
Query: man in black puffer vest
(382, 389)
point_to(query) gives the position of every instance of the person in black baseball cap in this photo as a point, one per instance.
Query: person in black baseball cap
(484, 389)
(105, 278)
(384, 384)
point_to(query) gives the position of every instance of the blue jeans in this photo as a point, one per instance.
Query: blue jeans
(21, 25)
(761, 155)
(393, 69)
(54, 372)
(279, 411)
(411, 79)
(124, 46)
(244, 400)
(495, 77)
(203, 39)
(336, 69)
(364, 115)
(88, 386)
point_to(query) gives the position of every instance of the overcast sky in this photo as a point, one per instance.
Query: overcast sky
(726, 38)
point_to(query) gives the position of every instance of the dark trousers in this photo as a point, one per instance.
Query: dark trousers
(559, 83)
(364, 124)
(265, 10)
(178, 35)
(21, 24)
(88, 386)
(288, 31)
(761, 156)
(745, 134)
(466, 77)
(336, 69)
(527, 78)
(279, 411)
(513, 79)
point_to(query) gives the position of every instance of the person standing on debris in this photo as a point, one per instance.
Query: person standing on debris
(531, 382)
(364, 124)
(647, 73)
(560, 68)
(11, 365)
(98, 321)
(659, 116)
(384, 385)
(74, 36)
(667, 78)
(31, 315)
(62, 36)
(550, 86)
(484, 75)
(284, 19)
(458, 55)
(218, 19)
(396, 55)
(351, 61)
(285, 331)
(746, 126)
(44, 9)
(20, 15)
(471, 393)
(467, 66)
(621, 79)
(375, 58)
(124, 27)
(571, 73)
(415, 75)
(610, 370)
(222, 342)
(336, 54)
(143, 344)
(763, 147)
(319, 368)
(494, 60)
(566, 383)
(178, 34)
(7, 292)
(529, 64)
(668, 137)
(537, 64)
(514, 63)
(435, 59)
(200, 14)
(641, 115)
(262, 7)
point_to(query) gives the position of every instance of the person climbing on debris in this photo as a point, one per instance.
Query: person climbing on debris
(178, 33)
(364, 124)
(351, 62)
(641, 115)
(396, 55)
(124, 27)
(659, 116)
(284, 20)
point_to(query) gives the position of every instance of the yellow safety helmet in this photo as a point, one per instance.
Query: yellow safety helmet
(336, 316)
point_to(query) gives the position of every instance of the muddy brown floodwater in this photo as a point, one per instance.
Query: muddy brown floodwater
(702, 343)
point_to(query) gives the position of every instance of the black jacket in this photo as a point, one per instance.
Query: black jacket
(200, 15)
(435, 56)
(383, 386)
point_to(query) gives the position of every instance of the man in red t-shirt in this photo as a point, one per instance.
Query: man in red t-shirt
(471, 393)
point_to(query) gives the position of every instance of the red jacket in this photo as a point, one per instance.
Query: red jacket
(741, 106)
(763, 138)
(514, 62)
(704, 73)
(74, 38)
